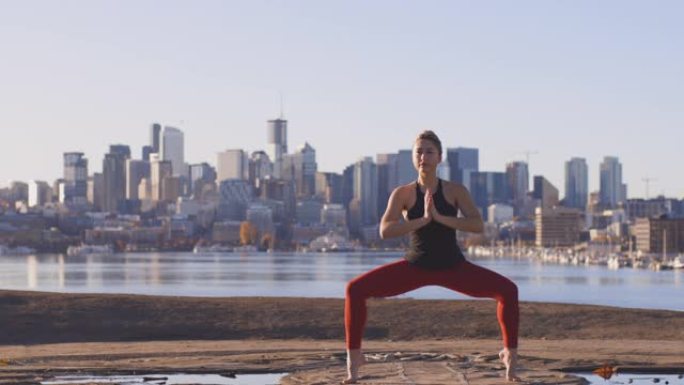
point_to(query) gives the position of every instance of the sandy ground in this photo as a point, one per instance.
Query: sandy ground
(408, 341)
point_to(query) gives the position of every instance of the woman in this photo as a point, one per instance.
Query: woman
(430, 207)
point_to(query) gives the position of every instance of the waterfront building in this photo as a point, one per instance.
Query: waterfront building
(655, 235)
(557, 226)
(309, 212)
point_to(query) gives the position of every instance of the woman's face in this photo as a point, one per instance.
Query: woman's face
(426, 157)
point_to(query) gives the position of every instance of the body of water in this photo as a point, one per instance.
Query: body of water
(321, 275)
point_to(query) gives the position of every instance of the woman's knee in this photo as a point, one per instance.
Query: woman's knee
(355, 289)
(510, 291)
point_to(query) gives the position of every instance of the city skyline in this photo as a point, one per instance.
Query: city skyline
(601, 80)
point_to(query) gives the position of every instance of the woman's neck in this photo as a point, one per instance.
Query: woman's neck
(428, 181)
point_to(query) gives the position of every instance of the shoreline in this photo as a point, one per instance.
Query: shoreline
(429, 341)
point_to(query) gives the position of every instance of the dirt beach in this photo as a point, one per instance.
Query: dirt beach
(407, 341)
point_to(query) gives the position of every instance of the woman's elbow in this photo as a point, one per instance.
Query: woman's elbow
(479, 226)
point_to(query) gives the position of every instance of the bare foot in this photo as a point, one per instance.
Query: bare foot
(355, 359)
(509, 357)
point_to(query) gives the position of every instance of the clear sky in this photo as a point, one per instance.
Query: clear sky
(562, 78)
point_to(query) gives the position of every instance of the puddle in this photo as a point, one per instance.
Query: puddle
(635, 378)
(170, 379)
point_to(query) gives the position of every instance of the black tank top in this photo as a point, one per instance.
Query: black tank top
(434, 245)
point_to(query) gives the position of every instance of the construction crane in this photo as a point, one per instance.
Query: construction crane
(527, 155)
(647, 182)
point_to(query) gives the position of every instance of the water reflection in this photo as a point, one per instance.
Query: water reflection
(320, 275)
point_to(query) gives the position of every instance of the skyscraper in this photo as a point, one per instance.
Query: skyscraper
(114, 175)
(232, 164)
(172, 150)
(159, 170)
(75, 179)
(276, 144)
(388, 177)
(304, 167)
(546, 192)
(488, 188)
(39, 193)
(155, 130)
(366, 190)
(463, 162)
(518, 181)
(406, 173)
(136, 170)
(611, 190)
(576, 183)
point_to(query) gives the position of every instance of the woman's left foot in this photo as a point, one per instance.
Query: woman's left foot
(509, 357)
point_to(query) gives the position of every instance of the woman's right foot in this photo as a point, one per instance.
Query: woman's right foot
(355, 360)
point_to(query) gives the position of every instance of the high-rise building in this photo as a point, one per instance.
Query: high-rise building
(39, 193)
(75, 190)
(546, 192)
(276, 144)
(612, 188)
(96, 191)
(463, 162)
(304, 168)
(155, 130)
(200, 174)
(232, 164)
(114, 176)
(159, 170)
(172, 150)
(488, 188)
(406, 172)
(388, 176)
(366, 190)
(146, 151)
(260, 168)
(518, 181)
(136, 170)
(329, 187)
(576, 183)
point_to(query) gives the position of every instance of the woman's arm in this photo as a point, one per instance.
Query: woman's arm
(392, 225)
(471, 220)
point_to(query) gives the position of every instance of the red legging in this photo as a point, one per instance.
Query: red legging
(401, 276)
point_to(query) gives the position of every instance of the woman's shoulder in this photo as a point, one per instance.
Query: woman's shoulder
(453, 187)
(453, 190)
(405, 189)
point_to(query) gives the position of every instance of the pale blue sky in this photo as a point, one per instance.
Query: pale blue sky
(564, 78)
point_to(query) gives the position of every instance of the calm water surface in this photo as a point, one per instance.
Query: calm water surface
(321, 275)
